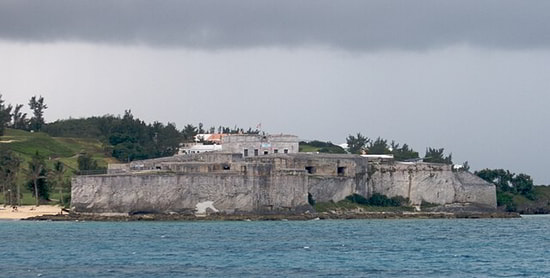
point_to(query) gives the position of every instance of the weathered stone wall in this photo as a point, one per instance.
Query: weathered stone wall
(348, 165)
(259, 189)
(326, 189)
(331, 177)
(157, 163)
(434, 183)
(271, 182)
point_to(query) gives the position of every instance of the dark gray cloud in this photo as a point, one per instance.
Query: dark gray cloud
(350, 25)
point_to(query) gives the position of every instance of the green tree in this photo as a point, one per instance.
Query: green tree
(86, 163)
(37, 174)
(188, 133)
(200, 129)
(507, 185)
(403, 153)
(500, 177)
(37, 106)
(9, 166)
(58, 178)
(20, 120)
(434, 155)
(356, 144)
(524, 186)
(378, 146)
(165, 139)
(5, 115)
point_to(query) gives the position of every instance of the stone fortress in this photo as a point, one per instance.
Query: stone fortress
(266, 174)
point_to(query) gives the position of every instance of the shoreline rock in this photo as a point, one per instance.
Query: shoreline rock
(275, 217)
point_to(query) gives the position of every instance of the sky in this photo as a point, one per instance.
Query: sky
(467, 76)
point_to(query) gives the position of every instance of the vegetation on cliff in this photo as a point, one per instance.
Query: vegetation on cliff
(375, 203)
(517, 192)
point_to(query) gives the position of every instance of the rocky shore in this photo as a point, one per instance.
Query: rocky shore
(274, 217)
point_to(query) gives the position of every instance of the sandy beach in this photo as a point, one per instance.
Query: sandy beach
(27, 211)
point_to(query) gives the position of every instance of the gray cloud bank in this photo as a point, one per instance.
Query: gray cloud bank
(349, 25)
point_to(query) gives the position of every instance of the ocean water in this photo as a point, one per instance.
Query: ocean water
(329, 248)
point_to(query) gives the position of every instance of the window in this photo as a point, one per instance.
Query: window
(245, 152)
(275, 151)
(255, 152)
(341, 171)
(310, 169)
(226, 167)
(285, 151)
(266, 152)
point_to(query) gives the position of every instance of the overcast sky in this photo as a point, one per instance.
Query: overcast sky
(469, 76)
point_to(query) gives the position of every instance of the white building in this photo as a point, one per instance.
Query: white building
(199, 148)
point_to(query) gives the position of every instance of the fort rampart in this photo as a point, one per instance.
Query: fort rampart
(231, 183)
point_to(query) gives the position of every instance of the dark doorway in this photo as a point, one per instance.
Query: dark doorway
(341, 171)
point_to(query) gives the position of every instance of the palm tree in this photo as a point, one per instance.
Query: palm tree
(58, 175)
(9, 164)
(35, 173)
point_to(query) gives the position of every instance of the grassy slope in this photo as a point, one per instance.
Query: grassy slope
(26, 144)
(308, 148)
(304, 147)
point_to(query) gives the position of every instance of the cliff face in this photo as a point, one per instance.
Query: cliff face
(166, 193)
(434, 183)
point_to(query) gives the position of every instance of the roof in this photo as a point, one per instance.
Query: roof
(216, 137)
(211, 137)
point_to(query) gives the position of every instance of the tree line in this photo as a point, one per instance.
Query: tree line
(40, 180)
(508, 185)
(13, 116)
(360, 144)
(128, 138)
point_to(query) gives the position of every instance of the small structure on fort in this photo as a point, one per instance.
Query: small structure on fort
(259, 144)
(245, 144)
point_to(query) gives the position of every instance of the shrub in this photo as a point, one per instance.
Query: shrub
(378, 200)
(506, 199)
(358, 199)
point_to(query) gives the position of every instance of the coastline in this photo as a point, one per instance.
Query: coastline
(273, 217)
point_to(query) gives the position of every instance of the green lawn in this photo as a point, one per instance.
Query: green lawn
(28, 198)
